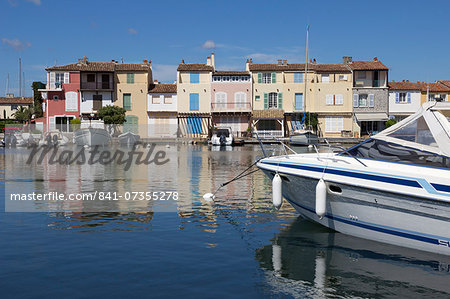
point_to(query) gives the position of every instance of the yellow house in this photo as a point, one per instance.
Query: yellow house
(132, 81)
(194, 97)
(332, 90)
(438, 91)
(10, 104)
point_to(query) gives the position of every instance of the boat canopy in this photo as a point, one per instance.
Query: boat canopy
(427, 130)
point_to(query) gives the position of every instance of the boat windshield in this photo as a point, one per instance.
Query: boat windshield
(417, 131)
(221, 132)
(387, 151)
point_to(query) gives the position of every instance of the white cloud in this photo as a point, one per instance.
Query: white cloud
(16, 44)
(164, 72)
(209, 44)
(291, 54)
(37, 2)
(12, 2)
(132, 31)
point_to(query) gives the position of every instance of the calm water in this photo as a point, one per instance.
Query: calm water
(237, 247)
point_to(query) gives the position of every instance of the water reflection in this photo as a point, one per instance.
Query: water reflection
(306, 254)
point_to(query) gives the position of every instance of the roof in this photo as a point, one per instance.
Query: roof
(331, 68)
(201, 67)
(362, 65)
(422, 86)
(268, 114)
(89, 66)
(280, 67)
(231, 73)
(162, 88)
(16, 100)
(445, 82)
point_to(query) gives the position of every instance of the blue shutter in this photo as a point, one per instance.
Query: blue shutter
(274, 77)
(280, 100)
(371, 100)
(266, 101)
(397, 98)
(408, 98)
(194, 78)
(259, 77)
(193, 102)
(299, 101)
(355, 100)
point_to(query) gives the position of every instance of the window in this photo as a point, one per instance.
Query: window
(299, 101)
(298, 77)
(59, 79)
(235, 78)
(402, 97)
(90, 77)
(193, 102)
(167, 99)
(130, 78)
(194, 78)
(245, 78)
(226, 78)
(339, 99)
(55, 98)
(216, 78)
(363, 100)
(156, 99)
(13, 107)
(71, 101)
(266, 78)
(221, 100)
(240, 100)
(127, 101)
(334, 124)
(343, 77)
(325, 78)
(257, 98)
(361, 75)
(273, 100)
(439, 97)
(329, 99)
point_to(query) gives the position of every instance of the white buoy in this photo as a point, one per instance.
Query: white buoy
(276, 191)
(310, 146)
(209, 197)
(167, 146)
(321, 198)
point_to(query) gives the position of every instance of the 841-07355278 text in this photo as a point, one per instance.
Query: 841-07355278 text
(138, 195)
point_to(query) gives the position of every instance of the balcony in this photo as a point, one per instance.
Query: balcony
(97, 86)
(231, 107)
(267, 134)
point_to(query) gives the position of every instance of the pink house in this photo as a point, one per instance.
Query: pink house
(231, 100)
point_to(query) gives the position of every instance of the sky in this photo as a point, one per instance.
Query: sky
(411, 37)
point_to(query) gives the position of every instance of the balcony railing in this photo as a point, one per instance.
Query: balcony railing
(268, 133)
(96, 85)
(231, 106)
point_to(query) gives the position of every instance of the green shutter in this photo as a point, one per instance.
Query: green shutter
(274, 77)
(266, 101)
(127, 101)
(280, 100)
(259, 77)
(130, 78)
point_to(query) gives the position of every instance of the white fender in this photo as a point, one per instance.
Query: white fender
(276, 191)
(321, 198)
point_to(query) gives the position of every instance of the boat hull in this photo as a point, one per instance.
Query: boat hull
(304, 139)
(129, 139)
(382, 216)
(91, 137)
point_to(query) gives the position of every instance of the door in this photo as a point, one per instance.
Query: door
(376, 82)
(97, 99)
(105, 81)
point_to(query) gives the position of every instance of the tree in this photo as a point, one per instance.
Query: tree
(37, 97)
(390, 122)
(112, 116)
(24, 114)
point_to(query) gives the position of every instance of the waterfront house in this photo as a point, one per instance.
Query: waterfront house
(404, 99)
(162, 110)
(194, 97)
(231, 94)
(370, 94)
(436, 91)
(10, 104)
(332, 90)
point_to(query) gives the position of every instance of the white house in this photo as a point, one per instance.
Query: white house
(162, 110)
(404, 99)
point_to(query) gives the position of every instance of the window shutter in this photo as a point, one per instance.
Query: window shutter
(397, 98)
(51, 123)
(371, 100)
(259, 77)
(266, 101)
(52, 80)
(66, 78)
(274, 77)
(280, 100)
(355, 100)
(408, 98)
(329, 99)
(339, 99)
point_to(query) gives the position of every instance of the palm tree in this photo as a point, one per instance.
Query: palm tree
(24, 114)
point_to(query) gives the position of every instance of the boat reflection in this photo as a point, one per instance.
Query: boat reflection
(307, 254)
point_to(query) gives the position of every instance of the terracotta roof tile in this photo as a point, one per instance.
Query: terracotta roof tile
(445, 82)
(101, 67)
(201, 67)
(16, 100)
(268, 114)
(162, 88)
(422, 86)
(338, 68)
(231, 73)
(280, 67)
(133, 67)
(367, 65)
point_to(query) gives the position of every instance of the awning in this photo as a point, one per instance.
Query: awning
(378, 116)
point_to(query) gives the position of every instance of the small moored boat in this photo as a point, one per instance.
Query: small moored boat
(128, 138)
(91, 137)
(222, 136)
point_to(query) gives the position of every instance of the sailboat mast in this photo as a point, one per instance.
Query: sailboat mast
(7, 85)
(306, 70)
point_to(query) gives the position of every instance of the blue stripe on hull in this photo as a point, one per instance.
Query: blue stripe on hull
(440, 187)
(387, 230)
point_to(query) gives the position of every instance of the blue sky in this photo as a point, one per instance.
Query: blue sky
(411, 37)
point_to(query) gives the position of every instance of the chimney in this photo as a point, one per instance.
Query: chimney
(10, 95)
(280, 61)
(182, 61)
(85, 60)
(145, 61)
(80, 60)
(251, 60)
(407, 81)
(155, 82)
(310, 61)
(247, 66)
(314, 61)
(375, 59)
(349, 59)
(284, 62)
(208, 60)
(213, 62)
(344, 59)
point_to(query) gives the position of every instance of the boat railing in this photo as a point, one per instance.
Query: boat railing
(274, 147)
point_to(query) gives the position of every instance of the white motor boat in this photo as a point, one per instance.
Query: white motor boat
(222, 136)
(91, 137)
(392, 188)
(303, 135)
(129, 139)
(24, 139)
(52, 138)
